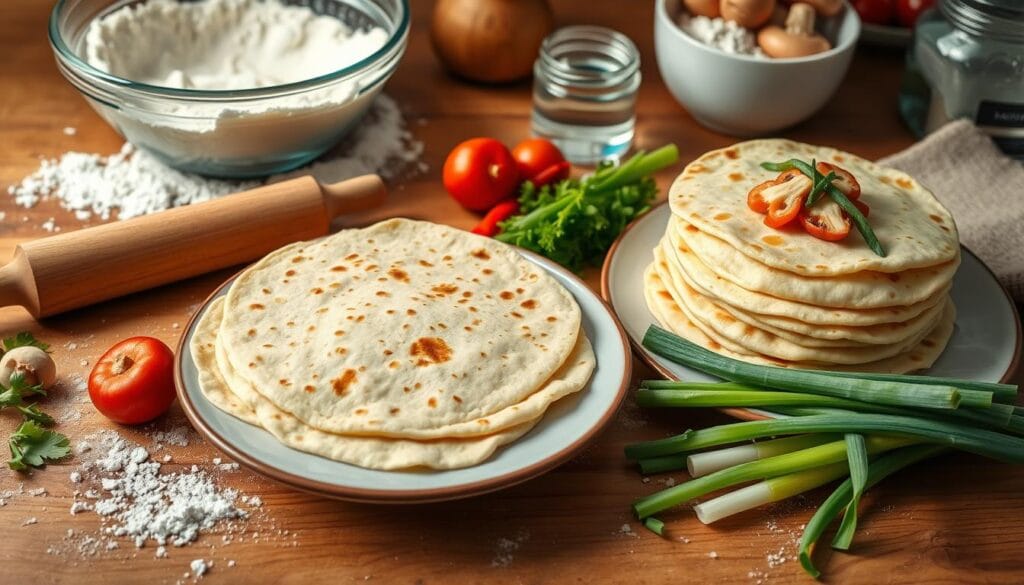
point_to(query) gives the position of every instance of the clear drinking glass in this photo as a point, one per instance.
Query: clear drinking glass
(584, 92)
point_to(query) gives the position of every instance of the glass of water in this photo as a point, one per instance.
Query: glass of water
(584, 93)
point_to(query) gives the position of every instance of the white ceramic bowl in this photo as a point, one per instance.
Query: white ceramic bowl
(234, 133)
(743, 95)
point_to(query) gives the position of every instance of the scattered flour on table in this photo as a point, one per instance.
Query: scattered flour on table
(200, 567)
(139, 502)
(119, 481)
(132, 182)
(506, 546)
(724, 35)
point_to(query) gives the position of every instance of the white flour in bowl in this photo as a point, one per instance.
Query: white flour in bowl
(224, 44)
(234, 45)
(724, 35)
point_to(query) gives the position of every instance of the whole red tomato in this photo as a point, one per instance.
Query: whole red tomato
(134, 381)
(907, 11)
(876, 11)
(479, 173)
(534, 156)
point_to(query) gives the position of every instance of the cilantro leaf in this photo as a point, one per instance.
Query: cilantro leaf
(22, 339)
(16, 383)
(32, 413)
(574, 222)
(31, 445)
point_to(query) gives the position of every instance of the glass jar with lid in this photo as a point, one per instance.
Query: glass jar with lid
(967, 61)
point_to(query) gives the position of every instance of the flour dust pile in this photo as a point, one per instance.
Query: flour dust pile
(132, 182)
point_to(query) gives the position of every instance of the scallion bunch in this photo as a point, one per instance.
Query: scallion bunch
(862, 427)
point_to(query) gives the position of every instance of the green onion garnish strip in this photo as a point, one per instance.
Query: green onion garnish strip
(965, 438)
(700, 464)
(681, 351)
(773, 489)
(858, 219)
(857, 455)
(879, 469)
(771, 467)
(819, 187)
(1006, 393)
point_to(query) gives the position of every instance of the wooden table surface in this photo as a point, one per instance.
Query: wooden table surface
(960, 520)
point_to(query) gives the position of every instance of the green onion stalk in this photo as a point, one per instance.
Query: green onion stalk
(684, 352)
(787, 463)
(973, 440)
(842, 497)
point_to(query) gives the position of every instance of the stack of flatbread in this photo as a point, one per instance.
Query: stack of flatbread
(405, 344)
(724, 280)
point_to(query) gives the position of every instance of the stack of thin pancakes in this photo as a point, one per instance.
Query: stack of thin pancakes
(724, 280)
(405, 344)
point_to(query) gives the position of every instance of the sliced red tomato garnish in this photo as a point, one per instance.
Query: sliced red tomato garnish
(785, 197)
(863, 207)
(844, 181)
(825, 220)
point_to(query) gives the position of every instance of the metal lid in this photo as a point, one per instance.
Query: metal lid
(1003, 19)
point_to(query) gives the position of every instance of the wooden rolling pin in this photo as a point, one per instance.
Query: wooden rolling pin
(75, 269)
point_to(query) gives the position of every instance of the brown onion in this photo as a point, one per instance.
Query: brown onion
(492, 41)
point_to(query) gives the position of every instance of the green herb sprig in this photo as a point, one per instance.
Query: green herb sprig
(31, 444)
(22, 339)
(574, 222)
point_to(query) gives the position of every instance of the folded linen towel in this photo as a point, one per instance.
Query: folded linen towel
(982, 187)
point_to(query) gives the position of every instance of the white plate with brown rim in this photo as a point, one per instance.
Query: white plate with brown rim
(985, 346)
(567, 427)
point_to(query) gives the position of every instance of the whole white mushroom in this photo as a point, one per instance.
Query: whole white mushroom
(31, 362)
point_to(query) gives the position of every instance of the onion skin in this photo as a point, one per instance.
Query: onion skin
(490, 41)
(708, 8)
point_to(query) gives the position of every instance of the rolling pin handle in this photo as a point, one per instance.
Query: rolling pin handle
(353, 195)
(17, 286)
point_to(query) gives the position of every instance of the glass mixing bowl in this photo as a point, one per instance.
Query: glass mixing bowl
(235, 133)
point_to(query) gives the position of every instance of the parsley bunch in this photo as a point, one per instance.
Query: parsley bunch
(32, 444)
(574, 222)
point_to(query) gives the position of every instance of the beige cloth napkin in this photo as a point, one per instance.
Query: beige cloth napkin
(982, 187)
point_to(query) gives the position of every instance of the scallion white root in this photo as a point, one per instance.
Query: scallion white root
(700, 464)
(767, 491)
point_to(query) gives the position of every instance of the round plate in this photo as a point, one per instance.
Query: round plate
(567, 426)
(985, 345)
(879, 35)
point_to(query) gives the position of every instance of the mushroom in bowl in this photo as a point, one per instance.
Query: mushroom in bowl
(750, 95)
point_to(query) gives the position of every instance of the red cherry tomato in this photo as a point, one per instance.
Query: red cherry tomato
(876, 11)
(907, 11)
(134, 381)
(552, 174)
(534, 156)
(479, 173)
